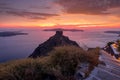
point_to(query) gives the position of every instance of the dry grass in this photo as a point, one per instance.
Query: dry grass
(61, 64)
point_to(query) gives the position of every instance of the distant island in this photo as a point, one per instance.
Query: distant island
(60, 29)
(11, 33)
(114, 32)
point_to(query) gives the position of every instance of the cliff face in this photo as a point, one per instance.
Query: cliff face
(57, 40)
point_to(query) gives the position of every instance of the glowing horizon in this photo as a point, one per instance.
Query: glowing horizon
(54, 13)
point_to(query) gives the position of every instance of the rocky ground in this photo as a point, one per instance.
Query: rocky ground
(110, 71)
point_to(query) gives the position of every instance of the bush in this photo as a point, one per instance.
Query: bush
(27, 69)
(61, 64)
(94, 57)
(66, 59)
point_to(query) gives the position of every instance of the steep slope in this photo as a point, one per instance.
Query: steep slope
(57, 40)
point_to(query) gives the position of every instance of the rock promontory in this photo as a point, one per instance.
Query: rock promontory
(57, 40)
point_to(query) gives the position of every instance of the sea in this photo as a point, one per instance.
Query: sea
(21, 46)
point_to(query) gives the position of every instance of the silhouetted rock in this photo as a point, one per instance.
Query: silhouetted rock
(57, 40)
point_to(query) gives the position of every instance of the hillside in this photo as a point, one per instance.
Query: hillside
(63, 63)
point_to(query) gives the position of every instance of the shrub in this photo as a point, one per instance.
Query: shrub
(60, 64)
(66, 59)
(27, 69)
(94, 57)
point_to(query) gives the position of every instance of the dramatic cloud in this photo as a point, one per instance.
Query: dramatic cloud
(31, 15)
(92, 7)
(23, 9)
(63, 12)
(25, 14)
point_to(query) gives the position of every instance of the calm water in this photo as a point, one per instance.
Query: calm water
(21, 46)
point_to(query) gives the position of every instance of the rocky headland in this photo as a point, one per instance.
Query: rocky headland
(57, 40)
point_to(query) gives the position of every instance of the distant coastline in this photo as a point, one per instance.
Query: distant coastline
(11, 33)
(114, 32)
(60, 29)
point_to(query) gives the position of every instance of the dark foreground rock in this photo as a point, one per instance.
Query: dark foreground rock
(57, 40)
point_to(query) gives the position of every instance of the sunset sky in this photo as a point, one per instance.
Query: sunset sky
(55, 13)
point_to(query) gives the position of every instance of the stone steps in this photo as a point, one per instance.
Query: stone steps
(109, 72)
